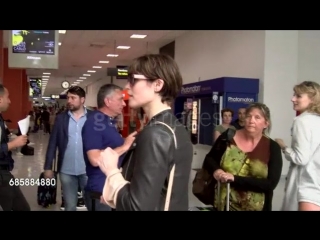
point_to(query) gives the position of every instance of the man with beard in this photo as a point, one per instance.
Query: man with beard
(66, 137)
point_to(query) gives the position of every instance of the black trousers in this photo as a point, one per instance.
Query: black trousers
(11, 197)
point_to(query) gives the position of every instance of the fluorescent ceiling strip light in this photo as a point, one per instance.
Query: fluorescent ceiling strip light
(112, 55)
(123, 47)
(138, 36)
(103, 61)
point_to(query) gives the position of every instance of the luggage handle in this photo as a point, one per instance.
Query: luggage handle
(228, 195)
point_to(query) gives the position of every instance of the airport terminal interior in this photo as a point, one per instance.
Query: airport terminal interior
(227, 69)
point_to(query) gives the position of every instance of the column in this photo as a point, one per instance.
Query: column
(15, 80)
(280, 75)
(1, 55)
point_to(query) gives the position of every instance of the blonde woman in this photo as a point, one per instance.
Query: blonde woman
(302, 191)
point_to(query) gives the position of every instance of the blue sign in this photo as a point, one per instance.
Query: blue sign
(238, 100)
(222, 85)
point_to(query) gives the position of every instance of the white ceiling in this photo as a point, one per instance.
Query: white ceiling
(80, 50)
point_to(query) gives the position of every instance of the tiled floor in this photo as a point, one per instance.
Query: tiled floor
(31, 167)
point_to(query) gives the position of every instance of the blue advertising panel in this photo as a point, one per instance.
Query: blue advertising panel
(236, 93)
(238, 100)
(35, 87)
(224, 84)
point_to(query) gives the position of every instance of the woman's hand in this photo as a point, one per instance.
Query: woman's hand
(217, 174)
(280, 142)
(108, 161)
(222, 176)
(226, 177)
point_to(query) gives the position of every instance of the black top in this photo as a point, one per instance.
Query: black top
(256, 174)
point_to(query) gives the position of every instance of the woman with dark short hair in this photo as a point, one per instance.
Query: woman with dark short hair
(155, 173)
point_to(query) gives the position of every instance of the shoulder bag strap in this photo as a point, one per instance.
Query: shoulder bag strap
(171, 177)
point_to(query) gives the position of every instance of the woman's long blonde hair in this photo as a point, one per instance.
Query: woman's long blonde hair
(312, 89)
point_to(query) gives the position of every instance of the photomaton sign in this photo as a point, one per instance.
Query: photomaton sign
(239, 100)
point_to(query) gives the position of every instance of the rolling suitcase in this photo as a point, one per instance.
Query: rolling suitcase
(47, 189)
(227, 208)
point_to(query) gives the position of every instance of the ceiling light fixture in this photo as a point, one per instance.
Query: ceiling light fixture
(59, 43)
(46, 73)
(82, 77)
(46, 77)
(138, 36)
(96, 67)
(103, 61)
(92, 71)
(62, 31)
(123, 47)
(112, 55)
(79, 80)
(87, 75)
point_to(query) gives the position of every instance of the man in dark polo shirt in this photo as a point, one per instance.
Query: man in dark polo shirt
(11, 197)
(98, 133)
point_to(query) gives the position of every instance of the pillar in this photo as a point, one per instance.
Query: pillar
(16, 81)
(1, 55)
(280, 75)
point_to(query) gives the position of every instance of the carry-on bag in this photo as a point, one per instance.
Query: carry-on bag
(218, 208)
(47, 188)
